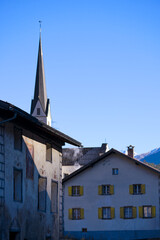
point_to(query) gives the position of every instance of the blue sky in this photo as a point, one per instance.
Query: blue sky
(102, 66)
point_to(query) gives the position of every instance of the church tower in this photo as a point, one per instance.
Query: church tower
(40, 105)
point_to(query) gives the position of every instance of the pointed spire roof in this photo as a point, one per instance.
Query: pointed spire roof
(40, 92)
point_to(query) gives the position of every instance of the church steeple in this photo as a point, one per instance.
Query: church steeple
(40, 106)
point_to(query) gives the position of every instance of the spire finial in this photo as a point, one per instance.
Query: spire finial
(40, 26)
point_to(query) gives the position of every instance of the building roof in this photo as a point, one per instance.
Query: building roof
(40, 92)
(32, 124)
(82, 155)
(112, 151)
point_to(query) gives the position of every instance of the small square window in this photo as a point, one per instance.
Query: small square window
(115, 171)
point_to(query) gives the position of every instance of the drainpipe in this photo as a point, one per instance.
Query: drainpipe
(9, 119)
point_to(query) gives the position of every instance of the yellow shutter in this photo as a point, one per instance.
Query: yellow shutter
(70, 213)
(121, 212)
(69, 191)
(131, 189)
(112, 213)
(100, 213)
(153, 211)
(141, 212)
(81, 190)
(134, 211)
(82, 213)
(111, 190)
(143, 188)
(100, 190)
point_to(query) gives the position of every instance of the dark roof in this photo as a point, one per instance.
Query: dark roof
(112, 151)
(32, 124)
(40, 92)
(82, 155)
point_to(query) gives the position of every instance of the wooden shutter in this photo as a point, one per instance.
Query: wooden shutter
(81, 190)
(100, 190)
(143, 188)
(82, 213)
(100, 213)
(121, 212)
(134, 211)
(140, 212)
(112, 213)
(131, 189)
(70, 213)
(69, 191)
(111, 190)
(153, 211)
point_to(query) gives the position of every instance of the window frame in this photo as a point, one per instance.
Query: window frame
(52, 181)
(78, 212)
(147, 206)
(106, 208)
(76, 191)
(40, 177)
(14, 185)
(16, 147)
(137, 189)
(115, 171)
(129, 208)
(106, 189)
(49, 148)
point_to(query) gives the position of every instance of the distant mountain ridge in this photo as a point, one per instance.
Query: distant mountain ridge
(152, 156)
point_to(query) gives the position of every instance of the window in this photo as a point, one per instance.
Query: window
(137, 189)
(38, 111)
(114, 171)
(106, 213)
(42, 185)
(128, 212)
(147, 211)
(49, 152)
(75, 191)
(76, 213)
(106, 189)
(54, 196)
(17, 185)
(17, 139)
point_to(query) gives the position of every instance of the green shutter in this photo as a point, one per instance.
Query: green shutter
(100, 190)
(153, 211)
(81, 190)
(131, 189)
(111, 190)
(134, 211)
(69, 191)
(140, 212)
(121, 212)
(100, 213)
(82, 213)
(143, 188)
(70, 213)
(112, 213)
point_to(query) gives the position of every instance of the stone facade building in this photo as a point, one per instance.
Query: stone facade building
(30, 169)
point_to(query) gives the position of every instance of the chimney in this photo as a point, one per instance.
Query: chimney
(131, 151)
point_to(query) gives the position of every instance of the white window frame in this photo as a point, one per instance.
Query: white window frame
(106, 213)
(147, 211)
(128, 212)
